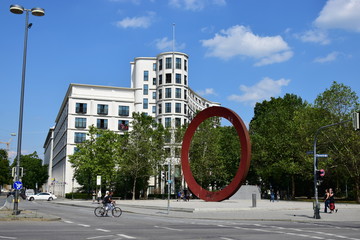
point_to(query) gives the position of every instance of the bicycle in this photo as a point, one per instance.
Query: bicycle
(103, 211)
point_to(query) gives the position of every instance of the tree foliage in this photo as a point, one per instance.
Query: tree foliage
(4, 168)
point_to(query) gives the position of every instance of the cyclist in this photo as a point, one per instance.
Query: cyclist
(108, 200)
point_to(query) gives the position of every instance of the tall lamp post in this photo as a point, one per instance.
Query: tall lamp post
(17, 9)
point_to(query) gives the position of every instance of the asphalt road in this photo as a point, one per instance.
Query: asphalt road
(81, 223)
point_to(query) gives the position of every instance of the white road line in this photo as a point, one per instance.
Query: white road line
(4, 237)
(68, 222)
(172, 229)
(107, 236)
(84, 225)
(224, 238)
(126, 236)
(102, 230)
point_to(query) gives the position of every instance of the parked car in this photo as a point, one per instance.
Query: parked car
(42, 196)
(29, 192)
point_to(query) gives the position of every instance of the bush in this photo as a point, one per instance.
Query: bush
(77, 195)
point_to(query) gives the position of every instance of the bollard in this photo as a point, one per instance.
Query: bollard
(253, 200)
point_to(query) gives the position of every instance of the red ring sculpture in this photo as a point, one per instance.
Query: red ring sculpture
(244, 165)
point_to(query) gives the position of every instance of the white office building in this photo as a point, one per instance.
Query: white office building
(159, 88)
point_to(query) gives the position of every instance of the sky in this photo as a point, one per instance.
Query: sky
(240, 52)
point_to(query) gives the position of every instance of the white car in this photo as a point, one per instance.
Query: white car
(42, 196)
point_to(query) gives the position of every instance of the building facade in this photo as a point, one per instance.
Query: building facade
(159, 88)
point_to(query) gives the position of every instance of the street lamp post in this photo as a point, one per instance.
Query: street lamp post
(17, 9)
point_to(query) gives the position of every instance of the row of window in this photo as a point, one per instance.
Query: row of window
(168, 108)
(168, 63)
(177, 122)
(168, 93)
(102, 124)
(102, 109)
(168, 78)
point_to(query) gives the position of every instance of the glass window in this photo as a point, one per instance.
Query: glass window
(178, 107)
(177, 122)
(167, 92)
(168, 78)
(167, 122)
(145, 103)
(146, 89)
(81, 108)
(123, 110)
(160, 64)
(154, 66)
(178, 63)
(146, 75)
(178, 92)
(185, 94)
(80, 137)
(178, 78)
(102, 123)
(160, 79)
(153, 109)
(167, 107)
(80, 122)
(185, 80)
(185, 65)
(154, 95)
(123, 125)
(185, 108)
(168, 63)
(102, 109)
(160, 93)
(154, 81)
(160, 108)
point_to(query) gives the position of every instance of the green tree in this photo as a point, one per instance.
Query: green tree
(98, 155)
(277, 149)
(4, 168)
(143, 151)
(341, 142)
(35, 173)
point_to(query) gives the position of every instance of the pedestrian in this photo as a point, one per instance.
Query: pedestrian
(93, 196)
(178, 196)
(326, 200)
(99, 196)
(332, 201)
(272, 196)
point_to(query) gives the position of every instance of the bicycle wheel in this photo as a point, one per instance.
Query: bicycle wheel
(99, 211)
(116, 212)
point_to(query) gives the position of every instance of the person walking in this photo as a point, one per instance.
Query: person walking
(99, 196)
(326, 200)
(332, 201)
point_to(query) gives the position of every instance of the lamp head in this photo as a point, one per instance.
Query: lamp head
(38, 12)
(17, 9)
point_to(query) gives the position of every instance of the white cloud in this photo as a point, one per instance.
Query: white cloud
(315, 36)
(207, 91)
(240, 41)
(329, 58)
(165, 44)
(137, 22)
(340, 14)
(195, 5)
(263, 90)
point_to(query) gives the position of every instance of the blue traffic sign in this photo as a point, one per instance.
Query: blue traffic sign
(17, 185)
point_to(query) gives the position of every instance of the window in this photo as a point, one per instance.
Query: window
(123, 110)
(80, 122)
(102, 123)
(178, 107)
(167, 122)
(185, 80)
(178, 63)
(145, 103)
(123, 125)
(154, 81)
(185, 65)
(178, 92)
(167, 107)
(153, 109)
(168, 63)
(185, 94)
(154, 66)
(146, 75)
(167, 92)
(160, 79)
(160, 64)
(160, 93)
(178, 78)
(177, 122)
(159, 121)
(168, 78)
(81, 108)
(185, 108)
(80, 137)
(146, 89)
(102, 109)
(154, 95)
(76, 149)
(160, 108)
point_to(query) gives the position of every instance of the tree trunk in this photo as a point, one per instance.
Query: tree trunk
(134, 189)
(357, 190)
(292, 187)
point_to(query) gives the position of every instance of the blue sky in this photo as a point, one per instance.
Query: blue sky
(240, 51)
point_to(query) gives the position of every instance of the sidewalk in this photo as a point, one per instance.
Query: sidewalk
(230, 209)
